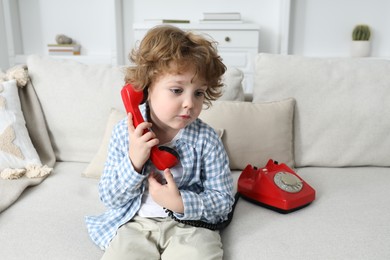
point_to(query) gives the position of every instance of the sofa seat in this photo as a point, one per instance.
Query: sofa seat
(47, 222)
(348, 220)
(339, 224)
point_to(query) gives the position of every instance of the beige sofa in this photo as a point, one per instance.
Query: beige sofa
(327, 118)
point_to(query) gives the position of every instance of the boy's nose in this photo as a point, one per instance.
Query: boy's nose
(188, 102)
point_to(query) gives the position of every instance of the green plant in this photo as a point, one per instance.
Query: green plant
(361, 32)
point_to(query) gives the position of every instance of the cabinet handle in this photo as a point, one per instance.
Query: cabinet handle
(227, 39)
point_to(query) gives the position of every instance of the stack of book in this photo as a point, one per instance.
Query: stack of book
(166, 21)
(64, 49)
(233, 17)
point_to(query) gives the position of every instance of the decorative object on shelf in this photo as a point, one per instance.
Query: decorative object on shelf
(63, 39)
(64, 49)
(361, 45)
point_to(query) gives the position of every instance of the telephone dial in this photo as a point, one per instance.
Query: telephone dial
(275, 186)
(161, 156)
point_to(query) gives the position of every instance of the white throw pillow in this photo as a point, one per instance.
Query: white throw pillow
(254, 133)
(342, 115)
(232, 89)
(16, 149)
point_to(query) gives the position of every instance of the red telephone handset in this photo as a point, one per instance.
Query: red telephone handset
(162, 157)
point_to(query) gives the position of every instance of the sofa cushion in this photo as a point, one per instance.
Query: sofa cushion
(254, 133)
(76, 101)
(232, 89)
(342, 115)
(96, 166)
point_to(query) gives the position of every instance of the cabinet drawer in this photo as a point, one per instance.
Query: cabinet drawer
(234, 39)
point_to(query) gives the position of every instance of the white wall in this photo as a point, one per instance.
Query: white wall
(88, 22)
(324, 27)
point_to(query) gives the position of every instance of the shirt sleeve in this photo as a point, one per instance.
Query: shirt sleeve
(119, 183)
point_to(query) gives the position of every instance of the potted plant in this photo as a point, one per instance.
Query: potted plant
(361, 46)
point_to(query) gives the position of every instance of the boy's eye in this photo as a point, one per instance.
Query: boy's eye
(176, 90)
(199, 93)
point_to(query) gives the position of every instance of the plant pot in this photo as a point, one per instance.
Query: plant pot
(360, 48)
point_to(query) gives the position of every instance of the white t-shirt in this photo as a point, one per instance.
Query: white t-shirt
(149, 208)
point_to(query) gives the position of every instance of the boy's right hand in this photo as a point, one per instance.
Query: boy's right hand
(141, 142)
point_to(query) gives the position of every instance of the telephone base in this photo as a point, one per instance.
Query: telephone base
(279, 210)
(275, 186)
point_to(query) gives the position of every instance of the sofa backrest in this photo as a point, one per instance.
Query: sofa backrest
(342, 115)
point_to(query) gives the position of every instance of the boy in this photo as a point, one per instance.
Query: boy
(179, 72)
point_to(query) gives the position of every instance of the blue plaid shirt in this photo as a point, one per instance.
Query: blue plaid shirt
(206, 185)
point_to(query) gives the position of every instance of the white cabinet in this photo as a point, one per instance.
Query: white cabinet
(238, 44)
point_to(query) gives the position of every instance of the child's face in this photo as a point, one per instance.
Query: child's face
(175, 100)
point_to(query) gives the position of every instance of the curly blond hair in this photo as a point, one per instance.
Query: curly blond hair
(168, 49)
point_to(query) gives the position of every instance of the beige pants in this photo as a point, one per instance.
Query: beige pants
(163, 238)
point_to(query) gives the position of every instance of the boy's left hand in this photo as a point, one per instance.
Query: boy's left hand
(166, 195)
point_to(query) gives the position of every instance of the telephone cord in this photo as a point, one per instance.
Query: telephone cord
(203, 224)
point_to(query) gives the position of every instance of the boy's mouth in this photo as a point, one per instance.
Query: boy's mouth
(185, 116)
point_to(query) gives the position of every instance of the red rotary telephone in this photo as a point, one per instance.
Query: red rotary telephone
(275, 186)
(162, 157)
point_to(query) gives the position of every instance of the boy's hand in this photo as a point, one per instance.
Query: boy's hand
(166, 195)
(141, 142)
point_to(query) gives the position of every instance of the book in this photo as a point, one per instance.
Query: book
(222, 16)
(71, 47)
(167, 21)
(63, 53)
(64, 49)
